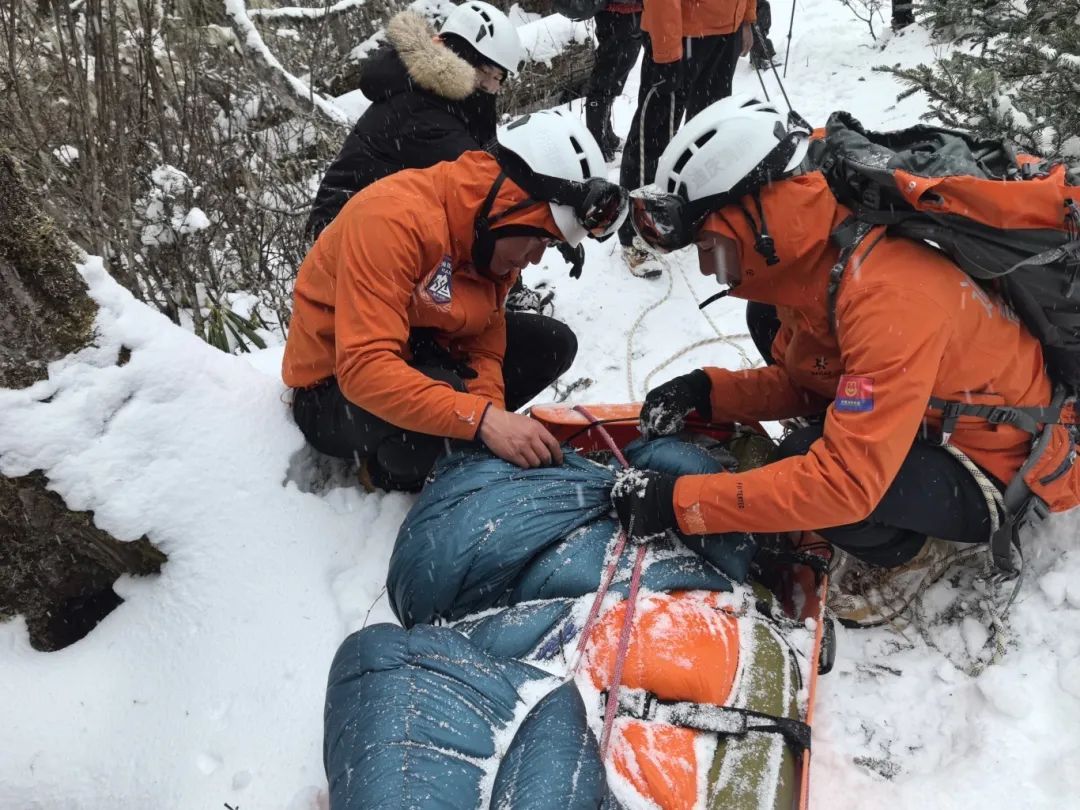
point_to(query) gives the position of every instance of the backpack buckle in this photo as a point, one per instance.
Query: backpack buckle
(1000, 415)
(950, 413)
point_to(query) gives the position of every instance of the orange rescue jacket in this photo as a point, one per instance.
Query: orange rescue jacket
(909, 325)
(398, 257)
(668, 22)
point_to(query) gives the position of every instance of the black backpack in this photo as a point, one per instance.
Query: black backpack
(1010, 221)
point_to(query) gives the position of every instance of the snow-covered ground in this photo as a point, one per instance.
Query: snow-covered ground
(205, 687)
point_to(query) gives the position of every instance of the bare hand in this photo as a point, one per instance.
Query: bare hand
(747, 39)
(518, 439)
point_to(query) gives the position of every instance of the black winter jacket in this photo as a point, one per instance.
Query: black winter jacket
(424, 110)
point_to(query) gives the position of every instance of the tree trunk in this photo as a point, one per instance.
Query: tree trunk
(56, 567)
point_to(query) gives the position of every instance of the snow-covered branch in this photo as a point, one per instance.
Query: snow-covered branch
(296, 93)
(303, 12)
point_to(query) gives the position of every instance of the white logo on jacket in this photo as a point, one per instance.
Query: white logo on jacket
(439, 288)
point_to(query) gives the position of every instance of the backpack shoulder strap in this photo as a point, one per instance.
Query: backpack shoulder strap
(848, 236)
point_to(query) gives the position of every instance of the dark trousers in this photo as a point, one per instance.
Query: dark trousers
(932, 495)
(538, 350)
(903, 12)
(618, 42)
(709, 64)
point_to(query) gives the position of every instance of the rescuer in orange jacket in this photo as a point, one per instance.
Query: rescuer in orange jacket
(909, 325)
(399, 338)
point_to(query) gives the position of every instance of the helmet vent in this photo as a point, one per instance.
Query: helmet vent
(583, 159)
(704, 139)
(685, 156)
(487, 23)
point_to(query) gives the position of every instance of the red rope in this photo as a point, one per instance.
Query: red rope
(631, 599)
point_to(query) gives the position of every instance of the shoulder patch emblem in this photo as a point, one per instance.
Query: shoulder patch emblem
(855, 394)
(439, 289)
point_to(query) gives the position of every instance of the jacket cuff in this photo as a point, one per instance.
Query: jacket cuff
(468, 412)
(667, 55)
(687, 502)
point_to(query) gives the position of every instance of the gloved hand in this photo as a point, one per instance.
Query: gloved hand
(667, 76)
(667, 406)
(574, 256)
(644, 502)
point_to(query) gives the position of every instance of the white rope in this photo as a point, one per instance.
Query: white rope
(637, 322)
(995, 502)
(729, 340)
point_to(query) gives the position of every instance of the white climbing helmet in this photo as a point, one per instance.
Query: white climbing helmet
(542, 150)
(488, 30)
(722, 145)
(729, 150)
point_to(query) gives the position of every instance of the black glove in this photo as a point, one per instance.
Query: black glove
(667, 76)
(667, 406)
(575, 257)
(645, 503)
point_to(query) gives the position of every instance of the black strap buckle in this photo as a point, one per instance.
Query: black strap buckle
(1002, 415)
(950, 414)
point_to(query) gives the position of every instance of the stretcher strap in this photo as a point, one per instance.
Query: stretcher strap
(711, 718)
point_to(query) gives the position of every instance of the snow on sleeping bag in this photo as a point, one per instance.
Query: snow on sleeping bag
(477, 524)
(483, 525)
(422, 718)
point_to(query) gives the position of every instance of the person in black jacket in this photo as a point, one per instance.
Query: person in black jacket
(432, 98)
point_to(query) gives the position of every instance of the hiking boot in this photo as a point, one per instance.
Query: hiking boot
(641, 262)
(864, 595)
(522, 298)
(610, 144)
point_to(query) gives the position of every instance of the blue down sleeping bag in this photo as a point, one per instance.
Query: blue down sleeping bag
(485, 533)
(425, 717)
(413, 719)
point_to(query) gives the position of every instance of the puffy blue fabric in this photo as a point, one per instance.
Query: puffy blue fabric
(731, 553)
(517, 632)
(405, 709)
(409, 713)
(570, 568)
(554, 760)
(575, 567)
(670, 454)
(475, 527)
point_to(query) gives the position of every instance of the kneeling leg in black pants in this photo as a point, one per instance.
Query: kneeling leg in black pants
(538, 350)
(932, 495)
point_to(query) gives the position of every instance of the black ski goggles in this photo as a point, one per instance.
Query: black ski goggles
(600, 206)
(668, 222)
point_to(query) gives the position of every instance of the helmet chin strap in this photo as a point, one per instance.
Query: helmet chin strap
(483, 237)
(712, 298)
(763, 242)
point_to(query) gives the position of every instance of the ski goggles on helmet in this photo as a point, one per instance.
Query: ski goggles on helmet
(599, 205)
(668, 222)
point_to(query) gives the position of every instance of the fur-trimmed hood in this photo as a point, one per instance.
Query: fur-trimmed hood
(416, 61)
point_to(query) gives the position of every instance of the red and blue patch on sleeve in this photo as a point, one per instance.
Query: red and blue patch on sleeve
(855, 394)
